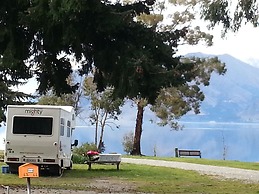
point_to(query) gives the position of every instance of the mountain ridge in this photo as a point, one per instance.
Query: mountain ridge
(231, 97)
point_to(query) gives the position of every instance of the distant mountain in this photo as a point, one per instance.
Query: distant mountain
(233, 97)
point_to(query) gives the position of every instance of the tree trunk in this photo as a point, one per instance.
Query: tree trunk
(138, 130)
(96, 133)
(100, 145)
(96, 126)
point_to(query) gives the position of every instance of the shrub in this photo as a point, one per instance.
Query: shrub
(1, 155)
(78, 159)
(128, 141)
(84, 148)
(79, 152)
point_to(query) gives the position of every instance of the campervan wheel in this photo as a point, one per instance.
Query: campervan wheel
(56, 170)
(70, 167)
(13, 168)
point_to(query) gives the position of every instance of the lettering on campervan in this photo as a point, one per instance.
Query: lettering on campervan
(33, 111)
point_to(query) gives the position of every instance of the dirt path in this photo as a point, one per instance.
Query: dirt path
(225, 172)
(100, 185)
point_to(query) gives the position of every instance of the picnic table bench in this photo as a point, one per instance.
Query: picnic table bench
(105, 159)
(187, 152)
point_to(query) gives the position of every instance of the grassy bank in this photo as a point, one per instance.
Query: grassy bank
(144, 178)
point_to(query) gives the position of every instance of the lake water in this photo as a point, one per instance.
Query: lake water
(232, 141)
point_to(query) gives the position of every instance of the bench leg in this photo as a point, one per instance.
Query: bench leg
(89, 166)
(118, 164)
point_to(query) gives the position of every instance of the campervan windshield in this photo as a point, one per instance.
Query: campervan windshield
(32, 125)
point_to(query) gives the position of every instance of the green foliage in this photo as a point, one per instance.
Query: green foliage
(46, 33)
(38, 38)
(78, 159)
(232, 14)
(128, 141)
(102, 102)
(51, 99)
(8, 95)
(105, 109)
(71, 99)
(173, 102)
(1, 155)
(62, 100)
(177, 15)
(84, 148)
(14, 48)
(182, 92)
(79, 153)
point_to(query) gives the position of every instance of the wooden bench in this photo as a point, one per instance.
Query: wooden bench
(106, 159)
(181, 152)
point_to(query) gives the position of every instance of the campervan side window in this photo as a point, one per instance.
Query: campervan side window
(32, 125)
(62, 126)
(68, 128)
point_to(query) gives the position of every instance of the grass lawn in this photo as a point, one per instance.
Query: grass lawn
(146, 179)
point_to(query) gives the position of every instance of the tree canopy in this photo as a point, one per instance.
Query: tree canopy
(104, 109)
(7, 94)
(232, 14)
(38, 37)
(175, 100)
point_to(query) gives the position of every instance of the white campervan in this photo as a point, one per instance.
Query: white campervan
(41, 135)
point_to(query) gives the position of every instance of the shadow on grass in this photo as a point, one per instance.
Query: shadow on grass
(79, 173)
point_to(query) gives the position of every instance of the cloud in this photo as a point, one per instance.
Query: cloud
(242, 44)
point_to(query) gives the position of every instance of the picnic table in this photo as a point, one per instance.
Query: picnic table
(114, 159)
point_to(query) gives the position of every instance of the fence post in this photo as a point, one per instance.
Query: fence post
(176, 152)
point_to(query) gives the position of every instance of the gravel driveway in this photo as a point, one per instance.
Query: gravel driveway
(225, 172)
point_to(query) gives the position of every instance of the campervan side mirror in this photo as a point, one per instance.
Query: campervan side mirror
(75, 143)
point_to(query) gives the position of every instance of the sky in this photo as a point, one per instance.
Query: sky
(242, 45)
